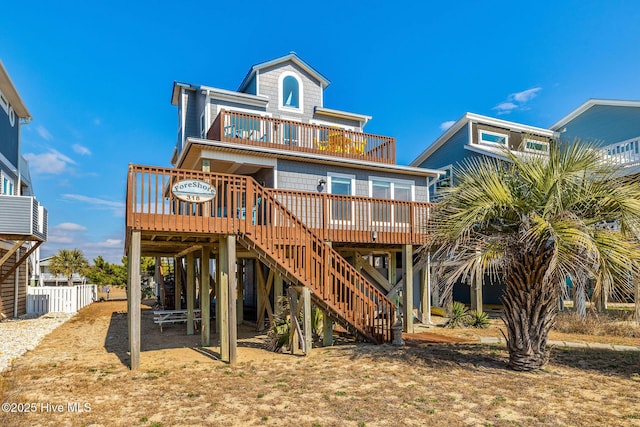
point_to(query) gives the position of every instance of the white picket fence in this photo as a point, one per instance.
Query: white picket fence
(59, 299)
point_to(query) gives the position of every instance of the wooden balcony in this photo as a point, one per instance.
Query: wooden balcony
(262, 131)
(237, 209)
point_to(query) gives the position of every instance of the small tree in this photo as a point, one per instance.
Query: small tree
(533, 221)
(67, 262)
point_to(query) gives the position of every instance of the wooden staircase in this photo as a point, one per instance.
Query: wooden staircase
(266, 227)
(285, 244)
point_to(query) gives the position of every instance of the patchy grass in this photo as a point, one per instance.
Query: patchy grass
(351, 384)
(597, 324)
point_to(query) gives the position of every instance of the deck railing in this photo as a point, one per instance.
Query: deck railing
(241, 206)
(625, 153)
(250, 129)
(339, 218)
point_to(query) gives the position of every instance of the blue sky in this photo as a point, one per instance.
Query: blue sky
(97, 79)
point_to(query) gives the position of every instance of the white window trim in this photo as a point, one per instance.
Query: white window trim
(488, 132)
(10, 184)
(331, 175)
(535, 141)
(281, 105)
(392, 182)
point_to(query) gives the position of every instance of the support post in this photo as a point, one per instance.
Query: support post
(205, 301)
(227, 301)
(133, 309)
(191, 290)
(278, 289)
(476, 289)
(407, 309)
(327, 329)
(177, 280)
(425, 291)
(293, 333)
(240, 293)
(307, 321)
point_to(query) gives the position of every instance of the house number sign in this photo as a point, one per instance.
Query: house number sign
(194, 191)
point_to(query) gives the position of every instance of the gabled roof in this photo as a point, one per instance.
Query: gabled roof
(9, 90)
(471, 117)
(291, 56)
(591, 103)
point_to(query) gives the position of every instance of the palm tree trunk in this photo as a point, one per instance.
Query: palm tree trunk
(529, 312)
(580, 299)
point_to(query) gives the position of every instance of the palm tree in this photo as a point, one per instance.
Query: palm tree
(67, 262)
(532, 222)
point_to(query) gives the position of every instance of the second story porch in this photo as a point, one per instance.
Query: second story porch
(257, 130)
(241, 205)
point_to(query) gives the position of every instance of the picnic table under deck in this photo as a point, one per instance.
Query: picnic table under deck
(161, 317)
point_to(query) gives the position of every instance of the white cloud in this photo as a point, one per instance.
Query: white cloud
(61, 239)
(70, 226)
(446, 125)
(505, 107)
(81, 149)
(526, 95)
(52, 162)
(517, 101)
(110, 243)
(94, 201)
(44, 133)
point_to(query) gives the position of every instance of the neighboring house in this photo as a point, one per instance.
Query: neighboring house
(23, 221)
(46, 278)
(281, 162)
(614, 125)
(474, 135)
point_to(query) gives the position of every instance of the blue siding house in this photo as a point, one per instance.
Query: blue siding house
(613, 125)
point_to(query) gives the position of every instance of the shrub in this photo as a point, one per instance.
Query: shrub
(458, 315)
(478, 319)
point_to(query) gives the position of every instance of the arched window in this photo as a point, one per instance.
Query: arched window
(290, 92)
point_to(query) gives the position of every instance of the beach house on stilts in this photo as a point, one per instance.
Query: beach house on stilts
(273, 194)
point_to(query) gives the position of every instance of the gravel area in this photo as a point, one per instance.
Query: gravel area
(21, 335)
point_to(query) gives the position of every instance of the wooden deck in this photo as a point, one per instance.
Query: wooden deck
(251, 129)
(239, 208)
(264, 225)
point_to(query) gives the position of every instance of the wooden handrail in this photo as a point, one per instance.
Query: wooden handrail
(340, 218)
(252, 129)
(241, 206)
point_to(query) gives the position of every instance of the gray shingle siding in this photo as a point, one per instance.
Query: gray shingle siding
(300, 176)
(268, 85)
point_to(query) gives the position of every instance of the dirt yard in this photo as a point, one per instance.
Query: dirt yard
(79, 376)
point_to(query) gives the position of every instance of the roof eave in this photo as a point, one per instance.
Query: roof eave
(9, 89)
(588, 104)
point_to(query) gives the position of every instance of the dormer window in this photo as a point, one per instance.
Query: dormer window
(290, 92)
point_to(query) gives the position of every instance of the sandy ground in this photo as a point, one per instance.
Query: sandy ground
(78, 375)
